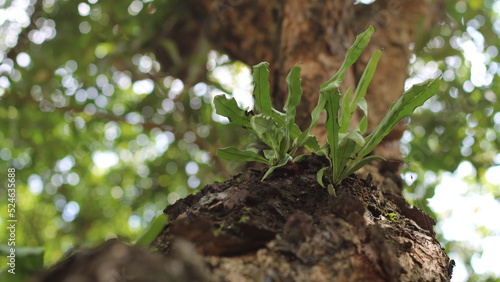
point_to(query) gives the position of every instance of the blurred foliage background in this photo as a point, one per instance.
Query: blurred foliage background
(104, 136)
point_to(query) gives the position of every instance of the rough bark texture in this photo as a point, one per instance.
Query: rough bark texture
(288, 228)
(284, 229)
(316, 34)
(349, 238)
(312, 33)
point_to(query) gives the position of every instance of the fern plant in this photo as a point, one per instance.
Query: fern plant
(346, 148)
(276, 129)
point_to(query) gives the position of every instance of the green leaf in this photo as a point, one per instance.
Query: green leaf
(352, 56)
(294, 89)
(268, 172)
(235, 154)
(363, 124)
(270, 155)
(283, 145)
(348, 148)
(155, 227)
(304, 139)
(352, 169)
(278, 117)
(229, 108)
(311, 142)
(364, 81)
(301, 158)
(403, 107)
(358, 100)
(267, 130)
(345, 115)
(345, 154)
(262, 125)
(356, 137)
(274, 136)
(324, 151)
(331, 189)
(282, 162)
(262, 93)
(332, 106)
(319, 176)
(293, 100)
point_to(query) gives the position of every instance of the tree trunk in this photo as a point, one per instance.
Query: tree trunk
(288, 228)
(316, 34)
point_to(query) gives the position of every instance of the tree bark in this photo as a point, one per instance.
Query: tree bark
(316, 34)
(288, 228)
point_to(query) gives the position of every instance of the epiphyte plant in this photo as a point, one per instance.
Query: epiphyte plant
(276, 129)
(347, 149)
